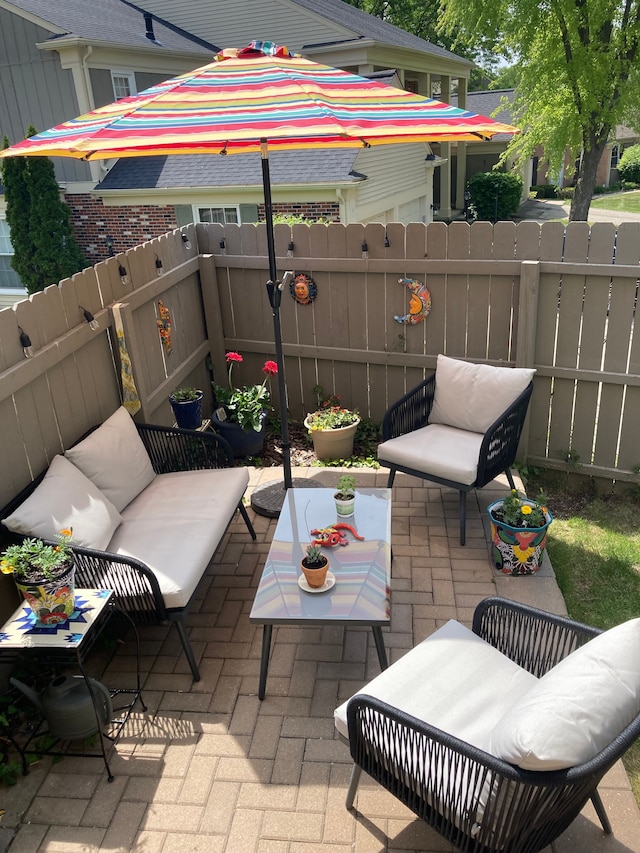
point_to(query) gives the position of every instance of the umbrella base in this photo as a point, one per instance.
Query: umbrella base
(268, 500)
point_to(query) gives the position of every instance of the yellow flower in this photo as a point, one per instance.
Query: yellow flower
(7, 568)
(66, 532)
(526, 510)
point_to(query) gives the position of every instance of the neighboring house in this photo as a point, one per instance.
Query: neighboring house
(60, 58)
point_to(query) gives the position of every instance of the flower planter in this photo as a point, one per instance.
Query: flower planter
(52, 601)
(316, 575)
(243, 442)
(188, 413)
(333, 443)
(345, 508)
(517, 550)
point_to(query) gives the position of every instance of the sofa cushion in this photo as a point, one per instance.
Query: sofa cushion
(115, 459)
(576, 708)
(453, 680)
(66, 499)
(443, 451)
(176, 523)
(473, 396)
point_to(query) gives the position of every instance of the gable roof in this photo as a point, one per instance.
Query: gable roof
(118, 22)
(485, 102)
(313, 166)
(369, 27)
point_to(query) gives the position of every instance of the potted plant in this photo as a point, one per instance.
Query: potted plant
(44, 575)
(187, 407)
(519, 533)
(314, 566)
(332, 428)
(345, 496)
(240, 413)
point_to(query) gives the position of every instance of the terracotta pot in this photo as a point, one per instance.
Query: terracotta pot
(315, 576)
(517, 550)
(333, 443)
(52, 601)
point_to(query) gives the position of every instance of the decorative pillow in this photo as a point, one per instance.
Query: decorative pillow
(578, 707)
(114, 458)
(473, 396)
(66, 499)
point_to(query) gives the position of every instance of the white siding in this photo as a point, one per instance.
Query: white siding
(235, 23)
(397, 178)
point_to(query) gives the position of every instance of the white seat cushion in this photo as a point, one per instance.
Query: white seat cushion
(453, 680)
(115, 459)
(578, 707)
(442, 451)
(174, 526)
(473, 396)
(66, 499)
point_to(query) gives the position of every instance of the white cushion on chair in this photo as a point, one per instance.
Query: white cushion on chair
(115, 459)
(441, 451)
(473, 396)
(578, 707)
(453, 680)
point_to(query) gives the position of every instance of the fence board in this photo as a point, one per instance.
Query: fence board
(479, 324)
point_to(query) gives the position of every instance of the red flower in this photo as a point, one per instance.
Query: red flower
(270, 367)
(233, 356)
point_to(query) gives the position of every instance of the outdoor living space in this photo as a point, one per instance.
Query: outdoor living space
(210, 767)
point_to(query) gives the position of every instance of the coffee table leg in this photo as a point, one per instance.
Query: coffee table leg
(264, 659)
(382, 653)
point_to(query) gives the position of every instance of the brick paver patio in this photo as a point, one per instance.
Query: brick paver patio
(211, 768)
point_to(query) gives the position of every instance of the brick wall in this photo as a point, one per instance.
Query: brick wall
(128, 226)
(310, 210)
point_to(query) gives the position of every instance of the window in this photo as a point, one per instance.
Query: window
(615, 156)
(8, 276)
(124, 84)
(222, 215)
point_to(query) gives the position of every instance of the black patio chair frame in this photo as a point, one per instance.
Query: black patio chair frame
(497, 452)
(423, 766)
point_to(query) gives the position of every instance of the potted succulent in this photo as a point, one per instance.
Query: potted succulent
(187, 407)
(314, 566)
(240, 413)
(345, 496)
(43, 573)
(519, 533)
(332, 429)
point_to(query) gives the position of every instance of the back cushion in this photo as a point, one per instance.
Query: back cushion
(578, 707)
(66, 499)
(473, 396)
(115, 459)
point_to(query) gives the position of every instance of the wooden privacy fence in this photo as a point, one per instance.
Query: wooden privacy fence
(562, 300)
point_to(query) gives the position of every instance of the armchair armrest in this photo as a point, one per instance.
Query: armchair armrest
(174, 449)
(532, 638)
(500, 443)
(411, 411)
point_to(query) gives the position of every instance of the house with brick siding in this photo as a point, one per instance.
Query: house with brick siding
(60, 58)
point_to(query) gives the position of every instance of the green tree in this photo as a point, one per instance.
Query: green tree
(45, 250)
(629, 164)
(578, 62)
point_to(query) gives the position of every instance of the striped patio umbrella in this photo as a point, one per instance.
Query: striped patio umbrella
(259, 98)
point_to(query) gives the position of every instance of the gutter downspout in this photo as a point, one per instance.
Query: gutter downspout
(97, 169)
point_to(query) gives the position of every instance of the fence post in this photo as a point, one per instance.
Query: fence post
(213, 313)
(527, 325)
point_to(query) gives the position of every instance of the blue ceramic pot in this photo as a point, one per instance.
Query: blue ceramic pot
(188, 413)
(243, 442)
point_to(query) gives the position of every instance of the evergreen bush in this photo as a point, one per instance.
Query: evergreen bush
(495, 195)
(629, 164)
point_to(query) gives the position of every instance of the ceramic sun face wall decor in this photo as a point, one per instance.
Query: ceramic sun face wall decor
(303, 289)
(419, 302)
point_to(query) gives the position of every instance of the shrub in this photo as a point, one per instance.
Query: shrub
(545, 191)
(629, 164)
(495, 195)
(566, 192)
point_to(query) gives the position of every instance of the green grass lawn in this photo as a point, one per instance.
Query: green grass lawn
(595, 553)
(628, 202)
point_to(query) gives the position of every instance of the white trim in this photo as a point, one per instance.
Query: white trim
(129, 76)
(216, 205)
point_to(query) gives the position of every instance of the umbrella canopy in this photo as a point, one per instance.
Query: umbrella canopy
(261, 91)
(258, 98)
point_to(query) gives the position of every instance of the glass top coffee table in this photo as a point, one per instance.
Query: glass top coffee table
(362, 570)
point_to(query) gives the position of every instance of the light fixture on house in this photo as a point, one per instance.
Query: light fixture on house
(290, 249)
(25, 341)
(186, 241)
(109, 242)
(435, 208)
(223, 246)
(158, 266)
(365, 251)
(387, 241)
(91, 320)
(124, 275)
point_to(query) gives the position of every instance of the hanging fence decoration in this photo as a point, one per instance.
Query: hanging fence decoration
(419, 302)
(303, 289)
(164, 326)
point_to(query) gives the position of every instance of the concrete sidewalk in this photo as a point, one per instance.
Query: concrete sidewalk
(211, 768)
(544, 210)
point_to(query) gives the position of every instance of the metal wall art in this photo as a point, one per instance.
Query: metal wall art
(303, 289)
(419, 302)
